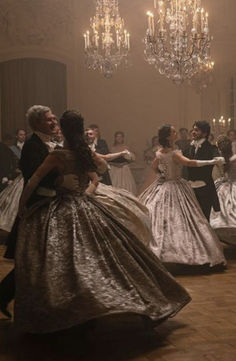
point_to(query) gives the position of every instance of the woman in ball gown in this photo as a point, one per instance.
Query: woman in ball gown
(75, 261)
(9, 202)
(180, 230)
(224, 222)
(121, 176)
(124, 205)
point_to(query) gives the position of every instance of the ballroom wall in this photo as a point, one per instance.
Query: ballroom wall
(136, 100)
(30, 81)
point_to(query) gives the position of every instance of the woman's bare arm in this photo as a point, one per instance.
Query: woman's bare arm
(180, 159)
(155, 164)
(100, 163)
(94, 181)
(112, 156)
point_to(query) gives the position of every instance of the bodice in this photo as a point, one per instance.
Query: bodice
(228, 175)
(71, 166)
(169, 169)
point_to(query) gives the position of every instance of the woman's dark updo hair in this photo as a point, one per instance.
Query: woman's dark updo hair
(72, 127)
(225, 147)
(163, 133)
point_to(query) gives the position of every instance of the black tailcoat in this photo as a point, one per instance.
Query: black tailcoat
(102, 148)
(206, 195)
(33, 154)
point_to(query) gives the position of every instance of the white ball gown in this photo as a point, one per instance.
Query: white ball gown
(75, 262)
(181, 233)
(120, 172)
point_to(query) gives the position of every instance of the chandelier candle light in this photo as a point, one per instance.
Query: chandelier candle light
(107, 44)
(177, 40)
(201, 80)
(221, 126)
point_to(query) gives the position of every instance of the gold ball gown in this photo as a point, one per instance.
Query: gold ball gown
(75, 262)
(125, 206)
(181, 233)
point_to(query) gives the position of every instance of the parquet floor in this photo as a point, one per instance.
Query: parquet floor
(204, 331)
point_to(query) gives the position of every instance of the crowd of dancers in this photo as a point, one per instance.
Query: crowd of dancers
(86, 249)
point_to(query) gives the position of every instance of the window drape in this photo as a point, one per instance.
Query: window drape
(25, 82)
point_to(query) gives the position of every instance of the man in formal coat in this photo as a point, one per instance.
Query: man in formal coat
(99, 146)
(201, 177)
(35, 150)
(19, 143)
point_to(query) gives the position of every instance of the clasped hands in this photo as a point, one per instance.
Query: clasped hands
(219, 160)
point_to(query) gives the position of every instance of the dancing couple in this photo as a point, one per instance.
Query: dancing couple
(179, 209)
(75, 260)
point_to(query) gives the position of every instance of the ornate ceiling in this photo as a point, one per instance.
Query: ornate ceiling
(36, 22)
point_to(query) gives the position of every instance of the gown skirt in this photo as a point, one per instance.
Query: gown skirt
(181, 233)
(224, 222)
(122, 177)
(9, 201)
(75, 262)
(125, 206)
(127, 209)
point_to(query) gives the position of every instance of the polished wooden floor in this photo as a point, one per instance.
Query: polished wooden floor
(204, 331)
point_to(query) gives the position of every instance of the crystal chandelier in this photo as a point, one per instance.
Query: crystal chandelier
(177, 41)
(201, 80)
(107, 44)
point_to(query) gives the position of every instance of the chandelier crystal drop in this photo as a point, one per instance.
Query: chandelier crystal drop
(107, 43)
(177, 40)
(202, 80)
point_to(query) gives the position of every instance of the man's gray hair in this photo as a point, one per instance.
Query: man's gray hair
(35, 114)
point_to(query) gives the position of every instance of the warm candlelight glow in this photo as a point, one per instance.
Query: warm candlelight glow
(178, 27)
(108, 43)
(221, 126)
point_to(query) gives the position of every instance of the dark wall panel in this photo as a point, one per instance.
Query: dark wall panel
(25, 82)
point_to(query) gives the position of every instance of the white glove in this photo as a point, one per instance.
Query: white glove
(4, 180)
(125, 152)
(70, 182)
(203, 163)
(128, 155)
(219, 160)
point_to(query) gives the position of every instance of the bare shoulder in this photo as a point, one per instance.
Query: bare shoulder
(177, 152)
(55, 159)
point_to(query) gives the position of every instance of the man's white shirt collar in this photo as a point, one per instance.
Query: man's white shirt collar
(93, 145)
(20, 145)
(46, 139)
(198, 143)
